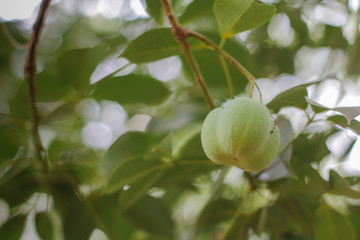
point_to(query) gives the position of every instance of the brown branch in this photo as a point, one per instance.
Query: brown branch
(181, 34)
(30, 71)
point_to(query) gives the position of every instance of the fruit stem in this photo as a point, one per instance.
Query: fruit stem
(228, 57)
(181, 34)
(228, 77)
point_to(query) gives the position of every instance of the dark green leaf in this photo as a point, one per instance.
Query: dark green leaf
(13, 228)
(44, 226)
(129, 145)
(152, 215)
(217, 211)
(331, 225)
(10, 140)
(155, 10)
(77, 220)
(341, 121)
(131, 89)
(116, 226)
(132, 170)
(49, 87)
(237, 16)
(76, 66)
(152, 45)
(340, 186)
(294, 97)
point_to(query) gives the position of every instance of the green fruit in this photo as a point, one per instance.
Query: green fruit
(241, 134)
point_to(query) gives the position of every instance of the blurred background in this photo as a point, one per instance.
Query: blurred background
(305, 41)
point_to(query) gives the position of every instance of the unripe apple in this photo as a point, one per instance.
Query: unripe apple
(241, 134)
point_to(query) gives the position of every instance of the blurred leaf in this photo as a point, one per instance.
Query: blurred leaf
(10, 140)
(240, 228)
(354, 216)
(139, 188)
(349, 112)
(340, 186)
(77, 220)
(183, 136)
(237, 16)
(13, 228)
(309, 148)
(49, 87)
(155, 10)
(152, 215)
(132, 170)
(152, 45)
(331, 225)
(217, 211)
(130, 144)
(131, 89)
(44, 226)
(308, 184)
(116, 226)
(341, 121)
(20, 187)
(195, 10)
(76, 66)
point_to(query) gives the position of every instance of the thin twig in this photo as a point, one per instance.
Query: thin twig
(30, 71)
(228, 57)
(181, 34)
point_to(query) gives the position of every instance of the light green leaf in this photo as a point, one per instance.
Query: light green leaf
(331, 225)
(349, 112)
(235, 16)
(131, 89)
(152, 45)
(340, 186)
(217, 211)
(182, 137)
(341, 121)
(195, 10)
(152, 215)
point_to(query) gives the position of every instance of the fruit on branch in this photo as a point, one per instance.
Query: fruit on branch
(241, 134)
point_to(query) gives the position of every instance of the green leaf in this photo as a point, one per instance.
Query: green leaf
(341, 121)
(331, 225)
(237, 16)
(13, 228)
(195, 10)
(49, 87)
(132, 170)
(44, 226)
(10, 140)
(152, 45)
(116, 226)
(183, 136)
(294, 97)
(76, 66)
(139, 188)
(349, 112)
(131, 89)
(130, 144)
(217, 211)
(152, 215)
(77, 221)
(340, 186)
(155, 10)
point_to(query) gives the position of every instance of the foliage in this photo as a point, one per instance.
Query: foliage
(105, 166)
